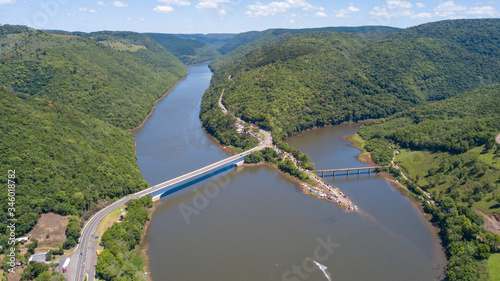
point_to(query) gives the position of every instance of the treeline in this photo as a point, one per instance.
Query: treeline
(120, 259)
(315, 79)
(448, 148)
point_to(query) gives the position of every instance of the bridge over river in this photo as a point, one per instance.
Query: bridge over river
(84, 258)
(347, 170)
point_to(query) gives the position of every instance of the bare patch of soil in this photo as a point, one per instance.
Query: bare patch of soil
(50, 229)
(491, 221)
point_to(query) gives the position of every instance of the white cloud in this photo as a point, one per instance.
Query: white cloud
(319, 15)
(422, 16)
(291, 21)
(209, 4)
(483, 11)
(206, 5)
(398, 4)
(420, 5)
(175, 2)
(393, 9)
(345, 13)
(119, 4)
(353, 9)
(85, 9)
(449, 9)
(222, 12)
(141, 19)
(3, 2)
(259, 9)
(163, 9)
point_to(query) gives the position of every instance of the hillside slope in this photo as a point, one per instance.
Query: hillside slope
(243, 43)
(66, 101)
(116, 77)
(315, 79)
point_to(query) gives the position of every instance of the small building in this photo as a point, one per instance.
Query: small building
(38, 257)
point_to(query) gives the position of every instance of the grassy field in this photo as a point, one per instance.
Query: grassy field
(122, 46)
(434, 169)
(416, 164)
(494, 267)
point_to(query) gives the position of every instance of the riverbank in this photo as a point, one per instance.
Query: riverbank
(154, 106)
(144, 247)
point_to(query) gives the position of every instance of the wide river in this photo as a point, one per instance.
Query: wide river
(251, 223)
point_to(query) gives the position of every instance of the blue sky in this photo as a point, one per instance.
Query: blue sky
(233, 16)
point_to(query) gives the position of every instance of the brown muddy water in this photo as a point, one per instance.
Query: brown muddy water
(251, 223)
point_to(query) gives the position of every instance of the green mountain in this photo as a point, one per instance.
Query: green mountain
(188, 50)
(243, 43)
(66, 101)
(315, 79)
(113, 76)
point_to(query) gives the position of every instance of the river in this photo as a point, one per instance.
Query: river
(251, 223)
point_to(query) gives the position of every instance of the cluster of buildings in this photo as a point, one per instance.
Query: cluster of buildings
(240, 129)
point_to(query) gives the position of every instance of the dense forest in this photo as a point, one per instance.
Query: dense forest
(66, 100)
(241, 44)
(113, 76)
(448, 148)
(320, 78)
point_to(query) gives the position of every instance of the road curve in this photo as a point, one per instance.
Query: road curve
(498, 138)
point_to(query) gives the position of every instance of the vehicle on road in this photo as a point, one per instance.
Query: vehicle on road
(65, 265)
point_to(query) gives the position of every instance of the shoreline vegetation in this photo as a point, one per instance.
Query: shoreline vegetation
(154, 106)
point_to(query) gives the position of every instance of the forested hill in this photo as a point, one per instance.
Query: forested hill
(243, 43)
(321, 78)
(113, 76)
(188, 50)
(66, 101)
